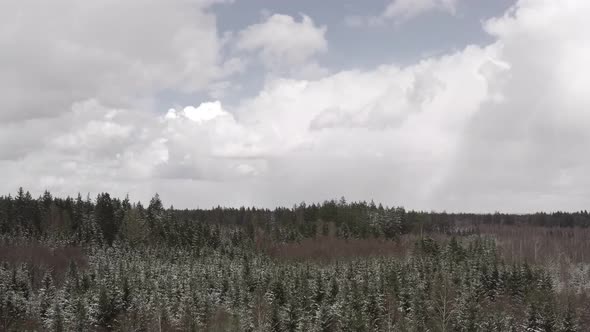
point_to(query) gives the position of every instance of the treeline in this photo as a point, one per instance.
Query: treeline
(107, 219)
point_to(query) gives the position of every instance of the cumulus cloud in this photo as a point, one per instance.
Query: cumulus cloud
(494, 127)
(525, 147)
(283, 42)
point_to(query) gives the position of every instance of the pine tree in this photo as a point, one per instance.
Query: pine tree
(79, 315)
(534, 321)
(46, 295)
(291, 318)
(132, 227)
(324, 319)
(548, 316)
(156, 216)
(105, 309)
(55, 319)
(569, 323)
(105, 217)
(375, 308)
(275, 317)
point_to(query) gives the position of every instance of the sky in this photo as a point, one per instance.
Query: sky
(454, 105)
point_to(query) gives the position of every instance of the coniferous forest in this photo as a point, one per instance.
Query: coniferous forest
(105, 263)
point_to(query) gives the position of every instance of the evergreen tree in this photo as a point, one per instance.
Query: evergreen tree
(569, 323)
(105, 217)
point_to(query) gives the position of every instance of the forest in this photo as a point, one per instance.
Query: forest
(109, 264)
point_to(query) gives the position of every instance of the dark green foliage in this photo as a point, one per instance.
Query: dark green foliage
(104, 212)
(210, 270)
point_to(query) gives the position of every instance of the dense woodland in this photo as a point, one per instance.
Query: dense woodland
(104, 263)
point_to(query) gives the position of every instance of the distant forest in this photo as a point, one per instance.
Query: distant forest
(105, 263)
(108, 219)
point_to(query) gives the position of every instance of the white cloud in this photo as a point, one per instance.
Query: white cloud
(281, 41)
(403, 10)
(407, 9)
(205, 112)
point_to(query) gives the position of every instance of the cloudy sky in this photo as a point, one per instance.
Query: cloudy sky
(457, 105)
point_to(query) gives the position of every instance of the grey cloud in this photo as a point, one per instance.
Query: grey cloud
(424, 88)
(61, 52)
(525, 150)
(331, 118)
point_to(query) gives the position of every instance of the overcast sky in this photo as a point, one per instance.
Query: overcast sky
(457, 105)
